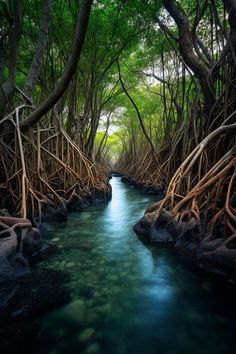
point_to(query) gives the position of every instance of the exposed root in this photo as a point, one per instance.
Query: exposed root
(203, 211)
(44, 170)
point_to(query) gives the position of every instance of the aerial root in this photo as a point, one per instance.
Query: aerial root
(44, 168)
(19, 230)
(208, 205)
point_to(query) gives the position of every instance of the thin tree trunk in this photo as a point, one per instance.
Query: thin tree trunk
(14, 35)
(41, 44)
(70, 69)
(231, 8)
(71, 105)
(186, 48)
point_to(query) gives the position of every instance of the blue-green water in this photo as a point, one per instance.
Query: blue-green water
(126, 298)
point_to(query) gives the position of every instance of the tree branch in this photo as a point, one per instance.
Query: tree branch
(70, 68)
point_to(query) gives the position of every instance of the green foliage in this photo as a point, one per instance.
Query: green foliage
(118, 30)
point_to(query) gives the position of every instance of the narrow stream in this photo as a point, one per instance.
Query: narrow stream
(126, 298)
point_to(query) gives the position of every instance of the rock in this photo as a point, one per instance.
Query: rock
(12, 265)
(96, 294)
(85, 246)
(4, 212)
(32, 242)
(93, 348)
(86, 215)
(147, 232)
(104, 309)
(89, 303)
(206, 286)
(60, 213)
(55, 239)
(75, 203)
(124, 274)
(92, 317)
(75, 311)
(86, 334)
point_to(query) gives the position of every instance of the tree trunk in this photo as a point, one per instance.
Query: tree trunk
(41, 44)
(71, 106)
(14, 35)
(70, 69)
(186, 48)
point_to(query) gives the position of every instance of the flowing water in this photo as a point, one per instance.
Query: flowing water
(126, 298)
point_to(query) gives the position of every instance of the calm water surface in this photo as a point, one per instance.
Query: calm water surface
(126, 298)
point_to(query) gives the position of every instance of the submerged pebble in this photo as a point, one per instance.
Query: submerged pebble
(75, 311)
(55, 239)
(86, 334)
(85, 246)
(104, 309)
(93, 318)
(93, 348)
(86, 215)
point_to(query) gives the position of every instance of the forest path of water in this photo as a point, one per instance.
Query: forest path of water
(126, 298)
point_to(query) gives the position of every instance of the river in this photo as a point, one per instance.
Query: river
(123, 297)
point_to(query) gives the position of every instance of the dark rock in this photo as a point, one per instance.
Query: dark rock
(101, 195)
(151, 190)
(12, 263)
(54, 212)
(116, 174)
(186, 237)
(75, 204)
(60, 214)
(85, 246)
(86, 335)
(32, 242)
(152, 233)
(4, 212)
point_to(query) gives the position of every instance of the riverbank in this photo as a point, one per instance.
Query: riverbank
(189, 242)
(141, 185)
(219, 264)
(99, 276)
(21, 249)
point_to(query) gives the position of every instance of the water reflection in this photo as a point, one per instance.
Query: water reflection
(126, 298)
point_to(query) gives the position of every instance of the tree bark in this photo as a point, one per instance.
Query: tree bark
(70, 69)
(186, 48)
(230, 6)
(41, 44)
(14, 35)
(71, 106)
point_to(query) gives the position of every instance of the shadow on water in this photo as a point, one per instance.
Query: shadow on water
(103, 291)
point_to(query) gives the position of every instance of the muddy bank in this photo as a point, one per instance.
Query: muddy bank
(189, 241)
(148, 189)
